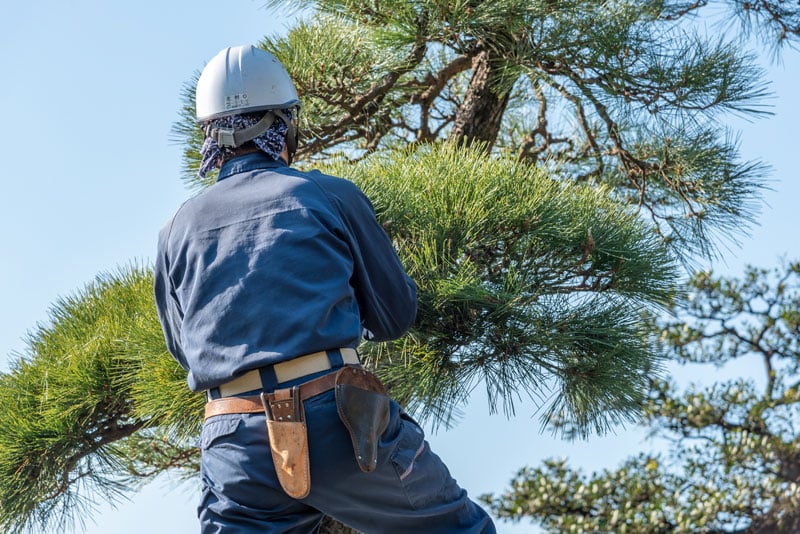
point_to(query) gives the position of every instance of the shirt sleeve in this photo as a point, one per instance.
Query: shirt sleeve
(386, 295)
(169, 312)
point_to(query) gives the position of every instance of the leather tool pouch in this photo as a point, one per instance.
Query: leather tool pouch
(288, 440)
(363, 407)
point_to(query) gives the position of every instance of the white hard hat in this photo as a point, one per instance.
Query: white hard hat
(243, 79)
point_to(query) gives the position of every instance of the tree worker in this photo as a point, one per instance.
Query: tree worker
(265, 284)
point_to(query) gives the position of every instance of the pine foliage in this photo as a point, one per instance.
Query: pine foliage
(733, 464)
(73, 399)
(615, 93)
(528, 285)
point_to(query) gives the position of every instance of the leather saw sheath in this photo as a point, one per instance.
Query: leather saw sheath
(363, 407)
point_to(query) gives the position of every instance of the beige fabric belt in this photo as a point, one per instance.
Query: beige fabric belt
(288, 370)
(255, 403)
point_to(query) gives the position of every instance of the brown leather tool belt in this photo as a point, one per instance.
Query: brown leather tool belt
(254, 403)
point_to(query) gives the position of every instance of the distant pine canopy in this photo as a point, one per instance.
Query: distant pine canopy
(544, 168)
(733, 462)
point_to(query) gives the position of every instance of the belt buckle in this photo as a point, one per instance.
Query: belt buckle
(283, 409)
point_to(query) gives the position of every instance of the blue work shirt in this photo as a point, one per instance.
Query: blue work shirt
(271, 263)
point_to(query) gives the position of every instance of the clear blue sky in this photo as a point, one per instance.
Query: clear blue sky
(90, 90)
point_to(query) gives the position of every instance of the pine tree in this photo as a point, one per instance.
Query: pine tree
(733, 463)
(543, 167)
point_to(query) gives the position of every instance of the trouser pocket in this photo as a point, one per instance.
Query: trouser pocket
(363, 407)
(424, 477)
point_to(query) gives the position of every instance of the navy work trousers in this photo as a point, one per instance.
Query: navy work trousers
(410, 491)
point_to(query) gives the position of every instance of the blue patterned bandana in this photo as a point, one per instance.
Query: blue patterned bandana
(270, 142)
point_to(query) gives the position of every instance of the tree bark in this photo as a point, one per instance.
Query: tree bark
(782, 516)
(771, 525)
(479, 116)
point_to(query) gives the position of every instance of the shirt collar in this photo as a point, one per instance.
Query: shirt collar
(249, 162)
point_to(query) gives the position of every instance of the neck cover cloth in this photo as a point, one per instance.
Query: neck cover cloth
(270, 142)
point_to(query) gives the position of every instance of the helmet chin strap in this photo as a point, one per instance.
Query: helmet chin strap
(291, 135)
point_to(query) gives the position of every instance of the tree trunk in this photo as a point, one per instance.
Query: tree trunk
(782, 516)
(770, 525)
(478, 118)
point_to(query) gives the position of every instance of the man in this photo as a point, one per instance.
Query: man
(265, 283)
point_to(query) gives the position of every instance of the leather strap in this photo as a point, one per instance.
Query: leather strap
(291, 134)
(253, 403)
